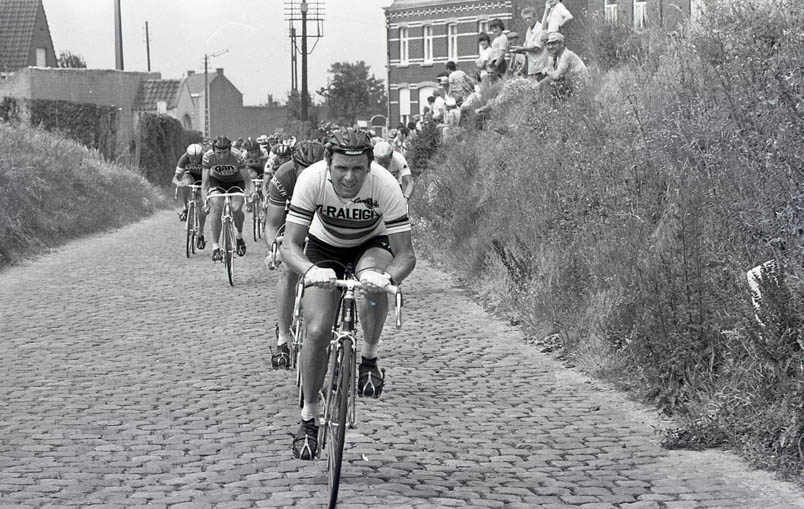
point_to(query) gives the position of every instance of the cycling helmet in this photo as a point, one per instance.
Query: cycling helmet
(383, 150)
(290, 141)
(308, 152)
(251, 146)
(195, 150)
(282, 150)
(349, 141)
(221, 143)
(263, 140)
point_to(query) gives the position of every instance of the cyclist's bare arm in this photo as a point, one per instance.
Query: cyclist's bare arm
(274, 218)
(404, 258)
(177, 177)
(292, 250)
(249, 190)
(205, 182)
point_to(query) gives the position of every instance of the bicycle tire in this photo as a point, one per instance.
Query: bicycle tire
(189, 241)
(228, 245)
(337, 421)
(255, 217)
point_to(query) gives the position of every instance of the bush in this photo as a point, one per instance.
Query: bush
(163, 140)
(53, 190)
(626, 218)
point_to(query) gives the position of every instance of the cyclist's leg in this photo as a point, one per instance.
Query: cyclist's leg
(373, 307)
(184, 192)
(238, 214)
(321, 306)
(215, 208)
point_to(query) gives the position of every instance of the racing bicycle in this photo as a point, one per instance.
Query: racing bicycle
(192, 225)
(228, 228)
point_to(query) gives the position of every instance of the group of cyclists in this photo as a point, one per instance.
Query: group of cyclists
(342, 202)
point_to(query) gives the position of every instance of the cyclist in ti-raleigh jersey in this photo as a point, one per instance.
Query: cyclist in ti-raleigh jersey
(188, 172)
(223, 170)
(352, 211)
(280, 191)
(395, 162)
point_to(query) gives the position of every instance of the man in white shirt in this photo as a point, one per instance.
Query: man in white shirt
(533, 47)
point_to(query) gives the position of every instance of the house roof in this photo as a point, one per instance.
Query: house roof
(407, 4)
(17, 22)
(153, 91)
(195, 82)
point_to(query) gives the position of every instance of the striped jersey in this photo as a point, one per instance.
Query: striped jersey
(378, 208)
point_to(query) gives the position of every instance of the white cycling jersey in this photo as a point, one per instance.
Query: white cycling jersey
(378, 209)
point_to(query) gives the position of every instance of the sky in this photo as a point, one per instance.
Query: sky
(254, 32)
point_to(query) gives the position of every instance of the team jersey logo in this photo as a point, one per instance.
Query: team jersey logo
(353, 214)
(370, 203)
(226, 170)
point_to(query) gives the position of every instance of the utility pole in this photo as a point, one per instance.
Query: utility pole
(303, 12)
(294, 77)
(148, 46)
(207, 129)
(118, 37)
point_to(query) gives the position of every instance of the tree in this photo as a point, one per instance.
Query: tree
(69, 60)
(351, 92)
(293, 104)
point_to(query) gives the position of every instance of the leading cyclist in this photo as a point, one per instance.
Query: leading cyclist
(223, 170)
(353, 212)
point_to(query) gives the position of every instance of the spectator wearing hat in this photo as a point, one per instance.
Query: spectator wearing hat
(533, 47)
(565, 70)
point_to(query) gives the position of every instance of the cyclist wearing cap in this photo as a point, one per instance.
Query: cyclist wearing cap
(265, 145)
(279, 192)
(352, 212)
(280, 154)
(224, 169)
(395, 162)
(255, 162)
(188, 172)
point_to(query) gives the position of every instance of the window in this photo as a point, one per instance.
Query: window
(427, 35)
(403, 45)
(424, 93)
(41, 57)
(483, 26)
(404, 105)
(611, 11)
(640, 14)
(452, 42)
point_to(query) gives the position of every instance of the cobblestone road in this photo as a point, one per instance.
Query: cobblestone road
(132, 376)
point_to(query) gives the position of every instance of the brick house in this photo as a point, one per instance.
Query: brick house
(422, 35)
(228, 116)
(25, 39)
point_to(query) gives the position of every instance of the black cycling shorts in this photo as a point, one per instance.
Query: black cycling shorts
(226, 187)
(335, 258)
(195, 176)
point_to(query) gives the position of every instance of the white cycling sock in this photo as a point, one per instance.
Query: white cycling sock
(281, 340)
(310, 411)
(215, 246)
(370, 351)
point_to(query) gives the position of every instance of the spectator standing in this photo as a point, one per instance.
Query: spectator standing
(565, 70)
(556, 16)
(484, 52)
(499, 48)
(533, 47)
(439, 106)
(452, 121)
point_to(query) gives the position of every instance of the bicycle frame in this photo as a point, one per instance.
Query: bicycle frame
(227, 227)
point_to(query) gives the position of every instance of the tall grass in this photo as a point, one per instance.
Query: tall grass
(625, 219)
(53, 190)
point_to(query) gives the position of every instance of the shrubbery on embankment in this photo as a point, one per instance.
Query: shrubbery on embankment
(53, 190)
(620, 224)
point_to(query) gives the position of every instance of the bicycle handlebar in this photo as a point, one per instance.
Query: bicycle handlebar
(353, 284)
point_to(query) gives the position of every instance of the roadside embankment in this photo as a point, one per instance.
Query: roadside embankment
(618, 226)
(53, 189)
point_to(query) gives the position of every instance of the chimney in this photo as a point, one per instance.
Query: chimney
(219, 71)
(190, 72)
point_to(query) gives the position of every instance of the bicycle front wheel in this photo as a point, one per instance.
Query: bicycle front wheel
(255, 220)
(339, 402)
(229, 249)
(189, 241)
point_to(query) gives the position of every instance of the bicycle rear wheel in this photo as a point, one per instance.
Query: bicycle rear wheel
(189, 226)
(255, 220)
(338, 401)
(229, 249)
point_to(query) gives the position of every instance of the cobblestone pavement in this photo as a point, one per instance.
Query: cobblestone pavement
(131, 376)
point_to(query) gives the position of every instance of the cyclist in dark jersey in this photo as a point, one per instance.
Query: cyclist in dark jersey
(279, 192)
(224, 170)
